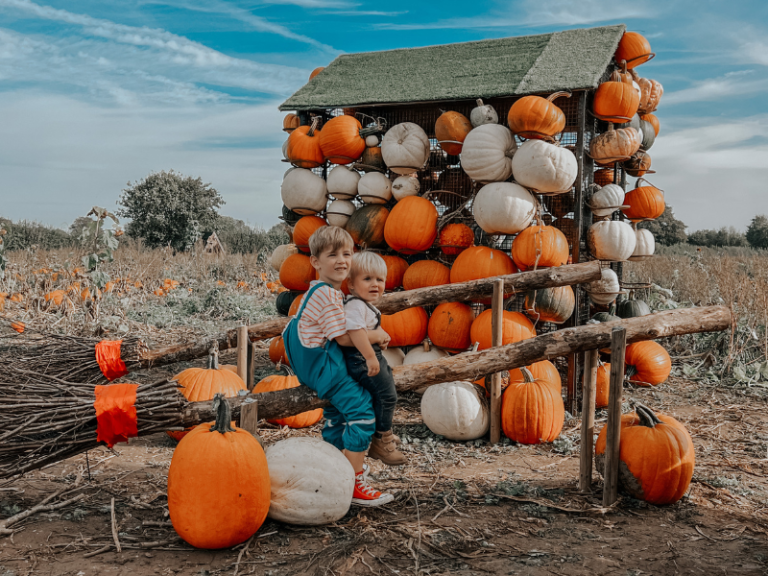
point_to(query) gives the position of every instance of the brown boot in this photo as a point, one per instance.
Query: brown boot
(385, 449)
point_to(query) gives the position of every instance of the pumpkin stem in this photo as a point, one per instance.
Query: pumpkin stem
(527, 376)
(647, 416)
(223, 415)
(479, 102)
(313, 126)
(552, 97)
(426, 345)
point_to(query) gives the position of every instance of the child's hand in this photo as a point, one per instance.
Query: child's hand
(384, 343)
(373, 366)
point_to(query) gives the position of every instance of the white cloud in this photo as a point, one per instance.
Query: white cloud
(731, 84)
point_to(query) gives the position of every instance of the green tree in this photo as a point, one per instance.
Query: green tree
(169, 209)
(757, 232)
(717, 238)
(667, 229)
(240, 238)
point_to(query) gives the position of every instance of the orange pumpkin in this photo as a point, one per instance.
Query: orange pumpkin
(634, 49)
(341, 141)
(540, 246)
(616, 101)
(396, 268)
(405, 328)
(653, 120)
(297, 272)
(426, 273)
(603, 177)
(316, 71)
(296, 304)
(366, 225)
(481, 262)
(603, 385)
(305, 227)
(449, 326)
(532, 411)
(645, 203)
(55, 298)
(218, 484)
(543, 371)
(304, 146)
(455, 238)
(451, 129)
(278, 382)
(18, 326)
(291, 122)
(515, 328)
(412, 225)
(277, 351)
(535, 117)
(648, 363)
(17, 297)
(638, 165)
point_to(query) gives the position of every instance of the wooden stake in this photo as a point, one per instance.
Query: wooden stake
(249, 417)
(613, 435)
(497, 321)
(588, 421)
(243, 343)
(251, 382)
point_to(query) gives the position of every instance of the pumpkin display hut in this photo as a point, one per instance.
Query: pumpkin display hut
(517, 163)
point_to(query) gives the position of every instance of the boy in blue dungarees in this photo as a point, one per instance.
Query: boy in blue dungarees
(315, 356)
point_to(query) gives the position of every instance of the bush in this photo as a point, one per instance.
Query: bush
(239, 238)
(757, 232)
(26, 235)
(718, 238)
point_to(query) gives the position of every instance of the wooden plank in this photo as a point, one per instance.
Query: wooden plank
(613, 435)
(251, 370)
(249, 417)
(243, 343)
(497, 320)
(588, 421)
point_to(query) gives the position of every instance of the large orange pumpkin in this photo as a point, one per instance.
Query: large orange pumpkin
(615, 100)
(277, 351)
(341, 141)
(648, 363)
(366, 225)
(296, 304)
(305, 227)
(535, 117)
(297, 272)
(540, 246)
(515, 328)
(426, 273)
(656, 455)
(450, 130)
(218, 484)
(645, 202)
(481, 262)
(634, 49)
(412, 225)
(449, 326)
(532, 411)
(396, 268)
(455, 238)
(543, 371)
(304, 146)
(405, 328)
(278, 382)
(603, 385)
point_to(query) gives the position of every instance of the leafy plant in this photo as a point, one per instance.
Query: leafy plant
(101, 243)
(757, 232)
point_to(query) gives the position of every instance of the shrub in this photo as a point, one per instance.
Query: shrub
(757, 232)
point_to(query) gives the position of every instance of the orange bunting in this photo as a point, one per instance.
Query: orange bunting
(108, 357)
(116, 419)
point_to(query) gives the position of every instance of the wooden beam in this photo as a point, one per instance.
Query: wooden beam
(613, 434)
(497, 322)
(588, 421)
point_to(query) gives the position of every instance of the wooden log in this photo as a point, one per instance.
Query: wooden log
(588, 421)
(394, 302)
(471, 365)
(613, 434)
(497, 320)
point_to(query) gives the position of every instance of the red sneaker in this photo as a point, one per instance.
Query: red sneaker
(366, 495)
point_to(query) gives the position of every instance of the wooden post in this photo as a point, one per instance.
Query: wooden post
(588, 421)
(249, 417)
(613, 435)
(497, 307)
(243, 343)
(251, 382)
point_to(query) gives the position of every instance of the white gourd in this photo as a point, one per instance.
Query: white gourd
(607, 200)
(646, 243)
(374, 188)
(423, 353)
(342, 183)
(280, 255)
(405, 148)
(371, 141)
(605, 290)
(455, 410)
(405, 186)
(312, 482)
(303, 192)
(544, 167)
(503, 208)
(487, 153)
(338, 212)
(393, 356)
(611, 240)
(483, 114)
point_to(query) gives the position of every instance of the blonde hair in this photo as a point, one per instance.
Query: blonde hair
(329, 237)
(367, 263)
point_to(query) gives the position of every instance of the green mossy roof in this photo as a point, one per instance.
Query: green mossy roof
(569, 60)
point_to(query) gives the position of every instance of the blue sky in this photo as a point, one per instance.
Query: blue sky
(98, 93)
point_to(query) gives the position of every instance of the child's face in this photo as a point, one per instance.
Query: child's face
(333, 265)
(369, 287)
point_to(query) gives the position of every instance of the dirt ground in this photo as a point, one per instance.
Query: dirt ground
(460, 508)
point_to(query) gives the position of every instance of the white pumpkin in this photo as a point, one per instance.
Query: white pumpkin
(483, 114)
(285, 149)
(605, 290)
(607, 200)
(405, 148)
(303, 192)
(646, 243)
(374, 188)
(455, 410)
(371, 141)
(611, 240)
(342, 183)
(393, 356)
(544, 167)
(503, 208)
(405, 186)
(423, 353)
(280, 255)
(487, 153)
(312, 482)
(338, 212)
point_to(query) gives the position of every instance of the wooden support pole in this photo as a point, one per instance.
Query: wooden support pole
(243, 343)
(587, 421)
(497, 321)
(249, 417)
(251, 370)
(613, 435)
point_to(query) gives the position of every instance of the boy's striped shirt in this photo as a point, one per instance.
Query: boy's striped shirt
(323, 317)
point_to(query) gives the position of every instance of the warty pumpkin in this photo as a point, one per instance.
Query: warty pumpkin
(634, 49)
(651, 92)
(503, 208)
(550, 304)
(615, 100)
(487, 153)
(342, 183)
(405, 148)
(455, 238)
(645, 202)
(532, 411)
(648, 363)
(297, 272)
(304, 228)
(277, 382)
(343, 139)
(424, 273)
(407, 327)
(303, 192)
(396, 268)
(515, 328)
(412, 225)
(615, 145)
(374, 188)
(451, 129)
(366, 226)
(483, 114)
(611, 240)
(449, 326)
(455, 410)
(540, 247)
(536, 117)
(304, 146)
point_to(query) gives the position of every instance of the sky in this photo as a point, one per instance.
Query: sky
(95, 94)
